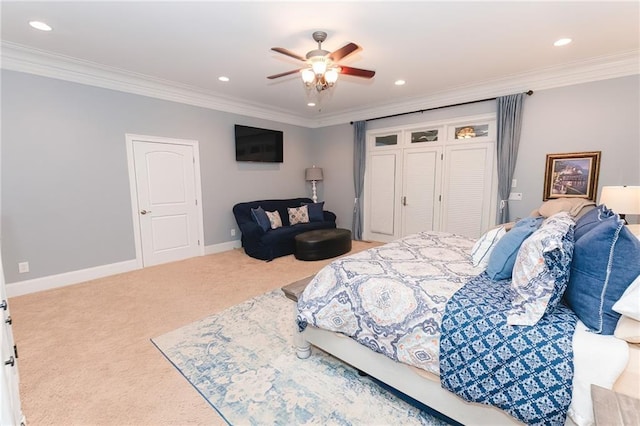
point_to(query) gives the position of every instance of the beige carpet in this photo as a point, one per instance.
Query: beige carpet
(85, 354)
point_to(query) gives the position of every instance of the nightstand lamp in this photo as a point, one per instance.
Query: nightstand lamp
(623, 200)
(313, 175)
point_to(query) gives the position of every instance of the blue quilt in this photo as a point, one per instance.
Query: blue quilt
(525, 370)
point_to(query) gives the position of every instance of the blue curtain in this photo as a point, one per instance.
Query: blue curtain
(509, 126)
(359, 158)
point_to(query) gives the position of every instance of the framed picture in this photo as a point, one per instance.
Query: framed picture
(572, 175)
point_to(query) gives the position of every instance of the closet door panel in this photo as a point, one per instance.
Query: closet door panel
(382, 195)
(421, 189)
(467, 189)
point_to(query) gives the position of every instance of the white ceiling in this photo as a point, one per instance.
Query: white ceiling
(444, 50)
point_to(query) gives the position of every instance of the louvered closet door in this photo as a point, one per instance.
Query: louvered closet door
(421, 188)
(467, 185)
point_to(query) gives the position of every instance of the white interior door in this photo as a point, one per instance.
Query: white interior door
(380, 221)
(167, 188)
(421, 190)
(10, 411)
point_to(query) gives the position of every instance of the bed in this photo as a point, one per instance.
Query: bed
(384, 310)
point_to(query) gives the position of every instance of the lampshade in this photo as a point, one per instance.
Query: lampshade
(313, 173)
(621, 199)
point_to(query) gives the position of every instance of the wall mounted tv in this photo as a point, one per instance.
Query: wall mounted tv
(259, 145)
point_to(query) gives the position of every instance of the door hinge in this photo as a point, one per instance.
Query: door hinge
(196, 201)
(442, 156)
(439, 197)
(198, 242)
(15, 350)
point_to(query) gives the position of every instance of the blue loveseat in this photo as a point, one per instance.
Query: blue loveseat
(272, 243)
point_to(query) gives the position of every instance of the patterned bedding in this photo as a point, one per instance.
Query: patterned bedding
(391, 298)
(526, 371)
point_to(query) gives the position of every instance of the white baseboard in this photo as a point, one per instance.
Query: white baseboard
(68, 278)
(74, 277)
(219, 248)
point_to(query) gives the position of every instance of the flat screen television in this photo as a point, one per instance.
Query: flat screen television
(259, 145)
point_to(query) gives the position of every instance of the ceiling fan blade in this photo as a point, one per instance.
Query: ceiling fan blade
(357, 72)
(288, 53)
(343, 51)
(282, 74)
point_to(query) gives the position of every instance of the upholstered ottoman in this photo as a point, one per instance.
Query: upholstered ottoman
(322, 244)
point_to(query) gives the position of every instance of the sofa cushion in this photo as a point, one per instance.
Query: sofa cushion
(274, 219)
(316, 213)
(606, 260)
(503, 256)
(289, 232)
(261, 218)
(298, 215)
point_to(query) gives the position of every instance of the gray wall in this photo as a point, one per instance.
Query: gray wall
(598, 116)
(65, 189)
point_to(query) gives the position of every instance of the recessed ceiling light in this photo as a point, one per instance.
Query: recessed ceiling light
(400, 82)
(38, 25)
(223, 78)
(311, 104)
(562, 42)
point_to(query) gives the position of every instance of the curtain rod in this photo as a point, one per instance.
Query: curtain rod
(528, 92)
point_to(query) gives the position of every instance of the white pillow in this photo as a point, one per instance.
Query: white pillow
(629, 302)
(274, 219)
(482, 249)
(628, 329)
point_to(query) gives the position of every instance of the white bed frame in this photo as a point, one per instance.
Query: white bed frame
(400, 377)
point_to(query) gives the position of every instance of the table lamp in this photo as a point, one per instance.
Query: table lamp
(623, 200)
(313, 175)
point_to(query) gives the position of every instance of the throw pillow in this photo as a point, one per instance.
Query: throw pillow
(590, 220)
(298, 215)
(484, 246)
(606, 260)
(503, 256)
(261, 218)
(316, 211)
(274, 219)
(541, 271)
(629, 303)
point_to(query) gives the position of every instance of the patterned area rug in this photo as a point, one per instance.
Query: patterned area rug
(243, 362)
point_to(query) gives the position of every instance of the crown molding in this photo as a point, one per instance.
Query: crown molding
(20, 58)
(595, 69)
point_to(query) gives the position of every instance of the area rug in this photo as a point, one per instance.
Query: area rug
(243, 362)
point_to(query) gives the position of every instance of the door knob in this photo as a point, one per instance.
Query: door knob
(144, 211)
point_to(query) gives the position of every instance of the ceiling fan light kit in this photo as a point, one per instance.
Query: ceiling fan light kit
(321, 71)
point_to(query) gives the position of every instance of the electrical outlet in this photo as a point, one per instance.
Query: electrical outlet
(233, 232)
(23, 267)
(517, 196)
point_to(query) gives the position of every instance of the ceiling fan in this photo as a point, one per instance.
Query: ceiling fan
(321, 70)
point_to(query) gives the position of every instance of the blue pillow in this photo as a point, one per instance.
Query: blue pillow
(606, 260)
(316, 213)
(503, 256)
(589, 221)
(261, 218)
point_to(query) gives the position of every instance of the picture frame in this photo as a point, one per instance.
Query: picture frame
(572, 175)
